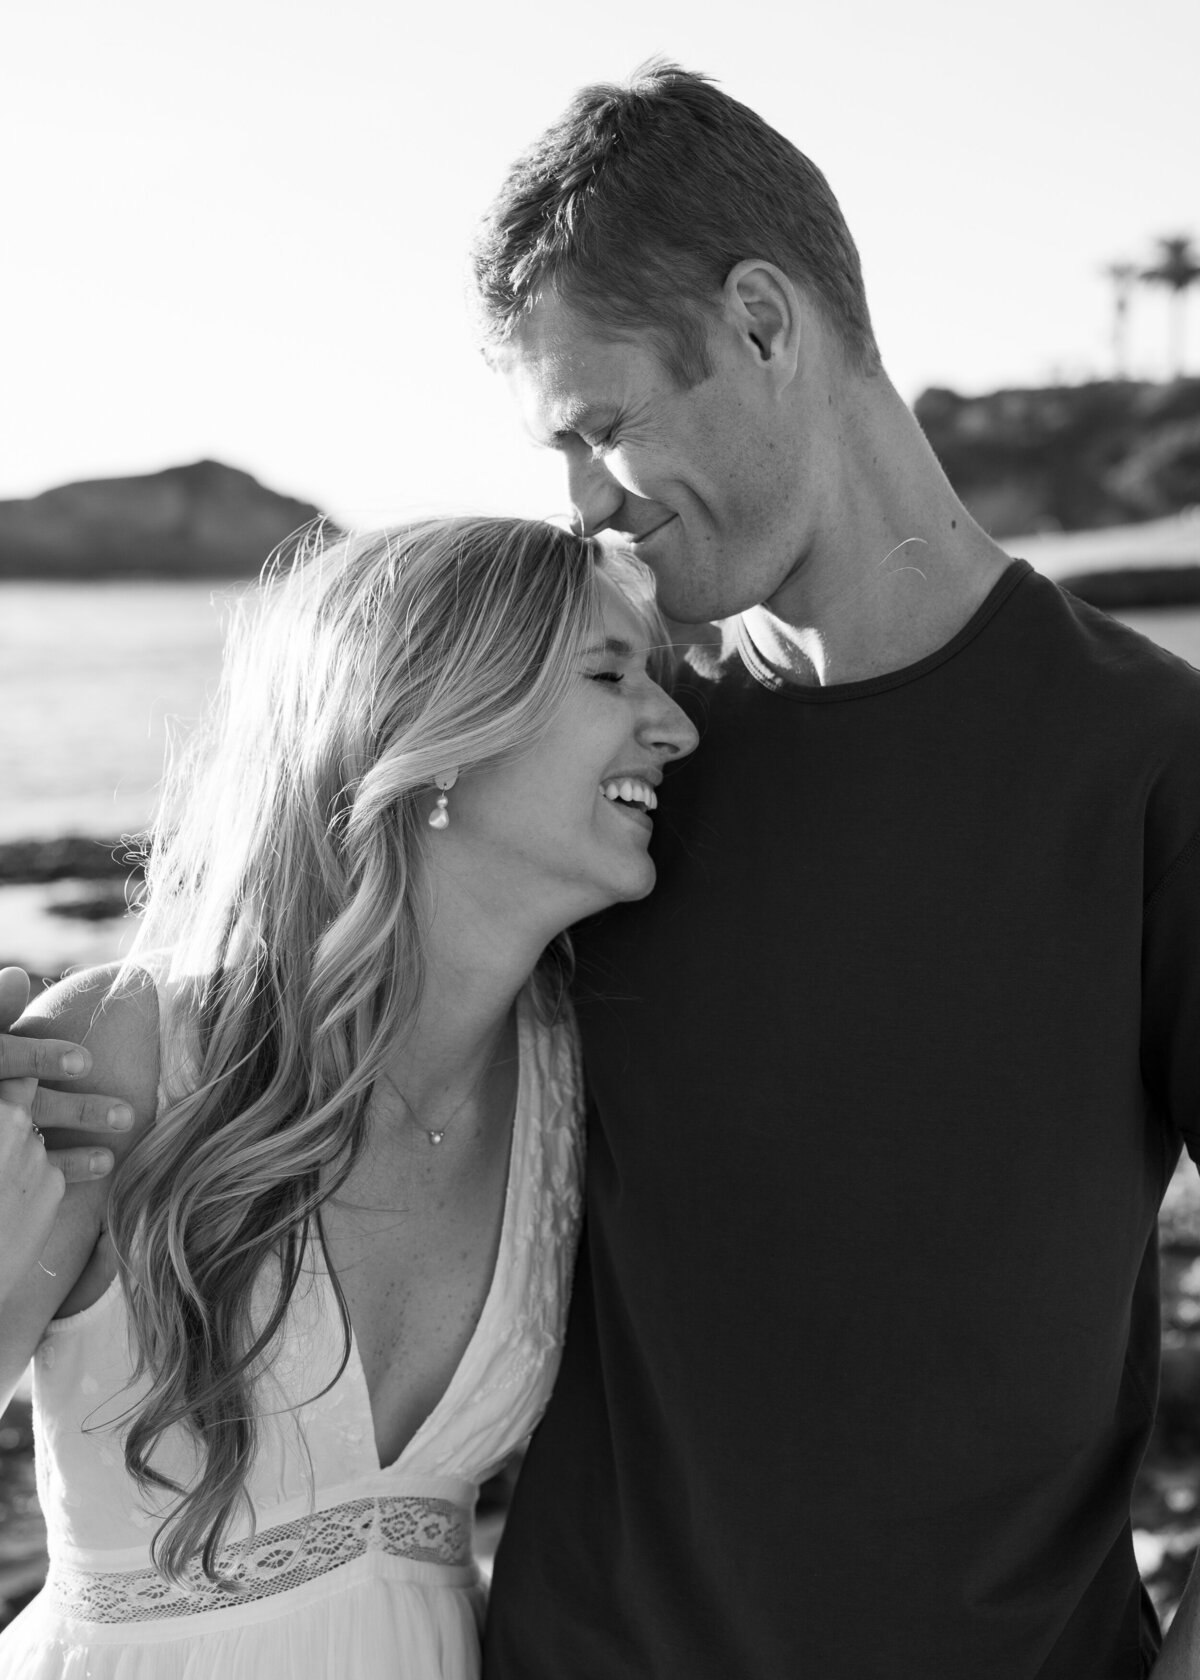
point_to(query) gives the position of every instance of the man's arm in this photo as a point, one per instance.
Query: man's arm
(51, 1214)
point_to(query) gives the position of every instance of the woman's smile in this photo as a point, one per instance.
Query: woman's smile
(534, 821)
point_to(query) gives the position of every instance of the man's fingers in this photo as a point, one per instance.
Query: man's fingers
(62, 1110)
(41, 1058)
(79, 1165)
(14, 995)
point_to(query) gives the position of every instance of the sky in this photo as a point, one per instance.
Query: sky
(238, 230)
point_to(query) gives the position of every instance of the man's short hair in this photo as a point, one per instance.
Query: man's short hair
(634, 206)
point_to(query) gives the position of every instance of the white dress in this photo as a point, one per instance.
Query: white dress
(354, 1571)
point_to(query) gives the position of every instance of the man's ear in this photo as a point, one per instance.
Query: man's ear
(766, 310)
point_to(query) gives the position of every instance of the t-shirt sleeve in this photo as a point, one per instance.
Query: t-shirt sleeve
(1171, 996)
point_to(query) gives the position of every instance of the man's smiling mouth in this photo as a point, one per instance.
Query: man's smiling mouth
(639, 537)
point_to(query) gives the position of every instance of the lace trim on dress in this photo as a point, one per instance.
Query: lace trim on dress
(274, 1561)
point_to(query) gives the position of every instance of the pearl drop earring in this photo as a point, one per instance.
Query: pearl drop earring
(439, 817)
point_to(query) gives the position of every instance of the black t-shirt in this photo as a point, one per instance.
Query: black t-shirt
(886, 1081)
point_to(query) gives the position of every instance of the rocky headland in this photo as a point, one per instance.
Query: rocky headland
(1069, 457)
(201, 520)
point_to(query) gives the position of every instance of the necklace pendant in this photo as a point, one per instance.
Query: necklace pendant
(434, 1137)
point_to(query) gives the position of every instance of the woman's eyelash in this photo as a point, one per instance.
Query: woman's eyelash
(607, 676)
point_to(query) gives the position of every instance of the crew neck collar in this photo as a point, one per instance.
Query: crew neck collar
(768, 677)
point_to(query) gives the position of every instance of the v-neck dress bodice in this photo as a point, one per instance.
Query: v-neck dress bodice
(351, 1569)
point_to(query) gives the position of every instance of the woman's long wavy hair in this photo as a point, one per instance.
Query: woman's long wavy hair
(282, 874)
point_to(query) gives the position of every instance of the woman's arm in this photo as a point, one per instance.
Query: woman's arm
(49, 1228)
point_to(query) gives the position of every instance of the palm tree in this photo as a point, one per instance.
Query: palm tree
(1123, 276)
(1178, 268)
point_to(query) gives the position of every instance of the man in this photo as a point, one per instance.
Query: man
(888, 1076)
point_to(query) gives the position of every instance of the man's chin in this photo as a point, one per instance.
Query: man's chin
(686, 632)
(688, 610)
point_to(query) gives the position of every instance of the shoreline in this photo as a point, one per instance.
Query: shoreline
(65, 903)
(75, 857)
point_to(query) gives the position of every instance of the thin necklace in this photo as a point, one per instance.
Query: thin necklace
(435, 1134)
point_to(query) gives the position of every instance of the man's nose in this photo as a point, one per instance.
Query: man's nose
(595, 495)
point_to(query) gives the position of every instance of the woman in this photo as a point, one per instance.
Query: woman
(323, 1298)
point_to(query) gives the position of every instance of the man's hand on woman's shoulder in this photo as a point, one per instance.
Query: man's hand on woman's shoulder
(54, 1187)
(30, 1058)
(51, 1137)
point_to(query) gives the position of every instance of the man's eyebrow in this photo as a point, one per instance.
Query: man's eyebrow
(613, 646)
(573, 422)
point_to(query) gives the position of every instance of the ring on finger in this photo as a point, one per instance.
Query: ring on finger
(37, 1132)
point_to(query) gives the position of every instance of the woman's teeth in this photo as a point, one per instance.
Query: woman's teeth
(630, 791)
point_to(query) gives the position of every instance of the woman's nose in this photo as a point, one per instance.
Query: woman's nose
(671, 730)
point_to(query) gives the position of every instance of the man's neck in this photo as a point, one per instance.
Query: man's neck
(895, 569)
(893, 620)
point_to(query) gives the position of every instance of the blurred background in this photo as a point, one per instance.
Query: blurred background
(232, 298)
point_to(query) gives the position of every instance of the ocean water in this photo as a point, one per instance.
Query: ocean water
(89, 675)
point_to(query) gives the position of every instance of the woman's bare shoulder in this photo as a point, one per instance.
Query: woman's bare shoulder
(113, 1012)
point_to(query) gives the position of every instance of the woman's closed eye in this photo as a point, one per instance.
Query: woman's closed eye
(607, 676)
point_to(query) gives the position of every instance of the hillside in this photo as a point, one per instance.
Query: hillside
(203, 520)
